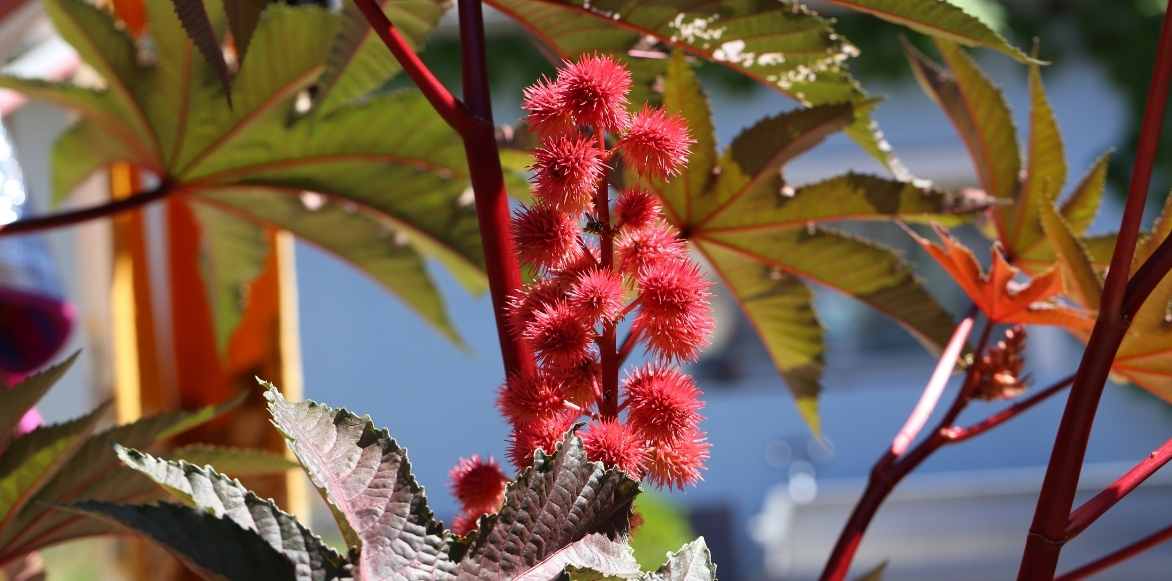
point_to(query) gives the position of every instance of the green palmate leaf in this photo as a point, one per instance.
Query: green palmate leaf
(243, 20)
(235, 461)
(95, 474)
(78, 153)
(181, 76)
(97, 106)
(1080, 207)
(1045, 173)
(1078, 273)
(264, 89)
(193, 16)
(938, 18)
(234, 253)
(19, 399)
(560, 499)
(594, 556)
(214, 547)
(978, 111)
(360, 236)
(108, 49)
(751, 166)
(781, 309)
(392, 156)
(358, 62)
(210, 492)
(762, 239)
(366, 479)
(781, 45)
(30, 460)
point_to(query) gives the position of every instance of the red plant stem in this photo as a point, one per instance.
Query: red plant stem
(488, 185)
(609, 408)
(1092, 509)
(891, 468)
(628, 345)
(436, 93)
(73, 217)
(933, 390)
(1047, 532)
(960, 434)
(1118, 556)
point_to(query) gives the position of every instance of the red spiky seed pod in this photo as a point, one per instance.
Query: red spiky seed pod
(678, 463)
(560, 335)
(524, 302)
(543, 434)
(478, 484)
(616, 445)
(673, 292)
(579, 384)
(547, 114)
(636, 208)
(597, 294)
(465, 522)
(636, 249)
(526, 400)
(594, 91)
(656, 143)
(663, 403)
(545, 237)
(679, 342)
(566, 171)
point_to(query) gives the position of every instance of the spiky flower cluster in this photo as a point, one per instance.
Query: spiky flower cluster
(601, 268)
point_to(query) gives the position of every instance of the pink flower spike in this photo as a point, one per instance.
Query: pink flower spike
(560, 335)
(636, 209)
(547, 114)
(478, 483)
(526, 301)
(566, 172)
(594, 90)
(663, 403)
(597, 294)
(637, 250)
(544, 236)
(656, 143)
(616, 445)
(678, 464)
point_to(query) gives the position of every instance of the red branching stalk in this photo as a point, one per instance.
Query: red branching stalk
(1047, 532)
(1119, 556)
(1092, 509)
(608, 343)
(488, 182)
(898, 461)
(444, 103)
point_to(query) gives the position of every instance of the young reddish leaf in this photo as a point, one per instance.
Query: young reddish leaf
(996, 292)
(1045, 173)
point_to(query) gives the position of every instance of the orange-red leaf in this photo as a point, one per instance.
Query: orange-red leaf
(997, 293)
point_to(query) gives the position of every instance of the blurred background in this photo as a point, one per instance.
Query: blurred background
(774, 497)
